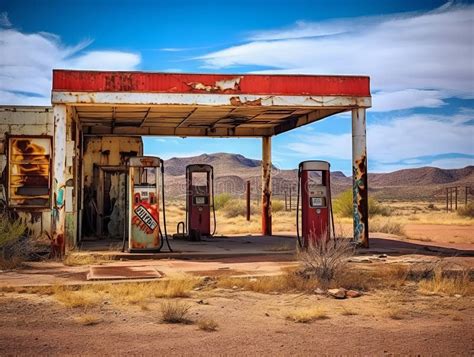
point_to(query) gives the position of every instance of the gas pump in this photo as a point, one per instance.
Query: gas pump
(314, 187)
(144, 230)
(199, 201)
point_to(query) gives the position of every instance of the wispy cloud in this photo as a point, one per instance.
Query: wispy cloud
(395, 141)
(27, 61)
(4, 20)
(430, 53)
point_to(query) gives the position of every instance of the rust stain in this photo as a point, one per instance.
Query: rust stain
(235, 101)
(29, 172)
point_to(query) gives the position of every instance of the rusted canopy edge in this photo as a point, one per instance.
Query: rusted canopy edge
(309, 85)
(131, 98)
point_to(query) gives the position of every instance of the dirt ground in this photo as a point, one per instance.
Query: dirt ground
(379, 323)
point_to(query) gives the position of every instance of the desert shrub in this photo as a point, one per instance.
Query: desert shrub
(307, 315)
(387, 226)
(208, 325)
(325, 260)
(175, 312)
(14, 245)
(467, 211)
(277, 205)
(343, 206)
(431, 206)
(221, 200)
(442, 283)
(236, 207)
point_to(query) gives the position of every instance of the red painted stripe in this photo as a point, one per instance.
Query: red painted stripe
(92, 81)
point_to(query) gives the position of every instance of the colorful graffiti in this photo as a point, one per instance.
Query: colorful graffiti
(360, 202)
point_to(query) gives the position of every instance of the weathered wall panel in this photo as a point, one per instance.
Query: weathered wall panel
(27, 121)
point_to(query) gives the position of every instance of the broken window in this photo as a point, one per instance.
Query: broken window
(29, 171)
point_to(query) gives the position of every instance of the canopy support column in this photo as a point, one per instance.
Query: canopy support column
(267, 185)
(59, 180)
(359, 178)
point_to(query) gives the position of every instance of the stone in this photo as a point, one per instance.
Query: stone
(353, 293)
(319, 291)
(337, 293)
(457, 295)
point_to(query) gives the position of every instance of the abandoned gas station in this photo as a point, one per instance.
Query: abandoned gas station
(55, 161)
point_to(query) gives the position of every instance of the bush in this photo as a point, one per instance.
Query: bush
(277, 205)
(467, 211)
(175, 312)
(221, 200)
(325, 260)
(208, 325)
(236, 207)
(14, 246)
(387, 226)
(343, 206)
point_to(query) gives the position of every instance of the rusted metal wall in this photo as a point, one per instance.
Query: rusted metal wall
(26, 136)
(359, 178)
(266, 185)
(105, 157)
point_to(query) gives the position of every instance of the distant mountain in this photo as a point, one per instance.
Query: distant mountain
(233, 170)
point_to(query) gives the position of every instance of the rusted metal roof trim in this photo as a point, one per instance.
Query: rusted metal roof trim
(306, 85)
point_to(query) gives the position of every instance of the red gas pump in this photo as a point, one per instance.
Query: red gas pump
(199, 201)
(316, 207)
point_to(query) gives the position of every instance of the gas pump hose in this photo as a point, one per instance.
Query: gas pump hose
(163, 204)
(213, 206)
(298, 209)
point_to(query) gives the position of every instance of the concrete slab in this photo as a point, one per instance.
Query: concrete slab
(122, 272)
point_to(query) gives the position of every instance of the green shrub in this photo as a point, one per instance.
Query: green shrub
(235, 207)
(343, 205)
(277, 205)
(221, 200)
(467, 211)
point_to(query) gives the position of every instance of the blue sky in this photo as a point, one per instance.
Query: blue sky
(419, 55)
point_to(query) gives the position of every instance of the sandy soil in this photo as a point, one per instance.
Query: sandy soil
(250, 323)
(462, 236)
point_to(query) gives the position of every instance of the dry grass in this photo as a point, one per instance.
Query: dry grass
(307, 315)
(441, 283)
(287, 282)
(174, 312)
(208, 325)
(348, 312)
(121, 294)
(386, 226)
(74, 298)
(88, 319)
(76, 259)
(393, 312)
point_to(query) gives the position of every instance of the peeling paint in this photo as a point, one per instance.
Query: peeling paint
(219, 86)
(236, 101)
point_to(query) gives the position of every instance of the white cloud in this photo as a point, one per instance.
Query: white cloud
(406, 99)
(4, 20)
(418, 51)
(10, 98)
(28, 59)
(453, 163)
(397, 139)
